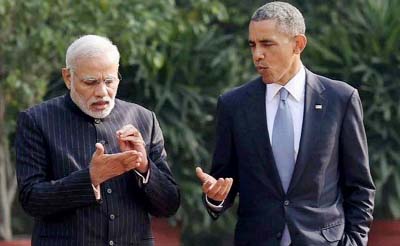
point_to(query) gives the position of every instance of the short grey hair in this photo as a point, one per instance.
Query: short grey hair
(90, 46)
(288, 18)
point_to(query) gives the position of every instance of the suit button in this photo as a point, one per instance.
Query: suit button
(111, 242)
(97, 121)
(279, 235)
(109, 191)
(286, 203)
(112, 217)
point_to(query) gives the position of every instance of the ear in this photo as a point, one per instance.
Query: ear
(300, 43)
(66, 73)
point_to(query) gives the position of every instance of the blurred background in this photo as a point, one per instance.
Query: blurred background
(177, 56)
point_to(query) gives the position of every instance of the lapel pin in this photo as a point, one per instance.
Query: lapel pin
(318, 106)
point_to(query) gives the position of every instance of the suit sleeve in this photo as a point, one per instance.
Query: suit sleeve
(357, 185)
(161, 191)
(38, 193)
(224, 164)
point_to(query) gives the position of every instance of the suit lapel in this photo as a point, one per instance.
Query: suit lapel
(314, 109)
(257, 122)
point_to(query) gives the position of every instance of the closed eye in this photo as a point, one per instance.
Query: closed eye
(267, 43)
(263, 43)
(110, 81)
(90, 81)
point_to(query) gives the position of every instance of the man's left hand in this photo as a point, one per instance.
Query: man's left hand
(129, 138)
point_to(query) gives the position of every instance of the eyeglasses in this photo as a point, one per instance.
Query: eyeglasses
(109, 81)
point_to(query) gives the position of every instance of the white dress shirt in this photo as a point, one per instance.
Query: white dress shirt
(296, 89)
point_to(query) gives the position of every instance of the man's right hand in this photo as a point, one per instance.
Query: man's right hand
(106, 166)
(217, 190)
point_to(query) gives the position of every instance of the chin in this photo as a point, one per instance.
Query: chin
(99, 113)
(267, 80)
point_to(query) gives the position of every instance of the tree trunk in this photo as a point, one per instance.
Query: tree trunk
(8, 185)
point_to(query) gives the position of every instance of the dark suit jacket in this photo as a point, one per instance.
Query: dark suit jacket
(331, 195)
(55, 142)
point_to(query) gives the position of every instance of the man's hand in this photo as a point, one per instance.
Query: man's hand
(217, 190)
(106, 166)
(129, 138)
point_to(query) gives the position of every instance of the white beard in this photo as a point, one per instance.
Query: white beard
(85, 106)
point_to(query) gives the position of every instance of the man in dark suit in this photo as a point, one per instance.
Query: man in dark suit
(292, 144)
(91, 169)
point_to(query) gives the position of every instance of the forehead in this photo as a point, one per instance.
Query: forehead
(96, 64)
(263, 30)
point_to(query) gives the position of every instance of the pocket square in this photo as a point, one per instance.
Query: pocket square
(318, 106)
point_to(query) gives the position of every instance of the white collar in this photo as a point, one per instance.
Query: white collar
(295, 86)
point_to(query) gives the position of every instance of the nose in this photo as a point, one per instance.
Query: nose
(258, 54)
(101, 90)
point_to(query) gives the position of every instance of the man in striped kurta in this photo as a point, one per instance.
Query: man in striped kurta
(92, 169)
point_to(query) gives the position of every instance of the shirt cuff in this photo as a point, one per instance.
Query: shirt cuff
(144, 179)
(97, 193)
(214, 207)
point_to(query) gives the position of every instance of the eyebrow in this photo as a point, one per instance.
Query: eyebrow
(88, 77)
(263, 41)
(91, 77)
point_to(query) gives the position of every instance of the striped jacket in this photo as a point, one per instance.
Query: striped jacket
(54, 145)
